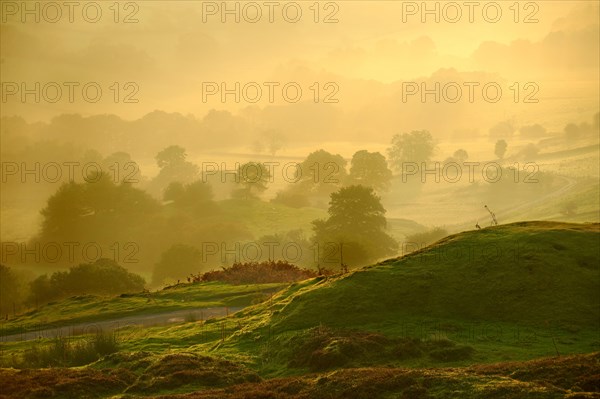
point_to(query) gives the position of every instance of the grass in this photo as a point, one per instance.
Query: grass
(65, 352)
(90, 308)
(263, 218)
(547, 378)
(454, 320)
(538, 273)
(512, 292)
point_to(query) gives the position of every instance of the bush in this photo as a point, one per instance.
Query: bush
(103, 277)
(258, 273)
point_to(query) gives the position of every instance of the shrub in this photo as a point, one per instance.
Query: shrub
(258, 273)
(103, 277)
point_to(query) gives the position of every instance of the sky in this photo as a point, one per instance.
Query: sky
(352, 60)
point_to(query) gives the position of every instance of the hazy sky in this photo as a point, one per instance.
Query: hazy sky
(176, 47)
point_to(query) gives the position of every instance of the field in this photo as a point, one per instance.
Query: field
(504, 312)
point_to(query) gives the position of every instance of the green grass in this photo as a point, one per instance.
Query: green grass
(263, 218)
(524, 291)
(513, 292)
(535, 273)
(509, 293)
(90, 308)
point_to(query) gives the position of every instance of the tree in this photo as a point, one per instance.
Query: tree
(174, 192)
(93, 210)
(253, 178)
(356, 224)
(370, 169)
(173, 167)
(270, 141)
(502, 129)
(171, 156)
(40, 291)
(320, 174)
(122, 168)
(572, 131)
(102, 277)
(500, 148)
(460, 155)
(416, 146)
(195, 198)
(178, 262)
(11, 290)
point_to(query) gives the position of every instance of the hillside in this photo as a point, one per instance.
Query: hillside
(510, 292)
(532, 273)
(439, 322)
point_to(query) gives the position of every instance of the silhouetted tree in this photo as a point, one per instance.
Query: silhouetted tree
(178, 262)
(12, 290)
(500, 148)
(171, 157)
(416, 146)
(321, 174)
(460, 155)
(195, 199)
(92, 210)
(102, 277)
(253, 178)
(356, 224)
(173, 168)
(370, 169)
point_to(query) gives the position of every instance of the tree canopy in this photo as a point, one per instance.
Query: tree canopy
(356, 226)
(417, 146)
(370, 169)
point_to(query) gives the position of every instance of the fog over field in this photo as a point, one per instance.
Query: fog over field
(175, 156)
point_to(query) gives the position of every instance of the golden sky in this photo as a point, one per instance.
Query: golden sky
(367, 50)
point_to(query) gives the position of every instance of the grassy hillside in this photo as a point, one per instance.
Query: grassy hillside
(511, 292)
(441, 322)
(534, 273)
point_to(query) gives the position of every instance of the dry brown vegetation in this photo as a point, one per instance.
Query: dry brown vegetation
(63, 383)
(576, 376)
(258, 273)
(186, 369)
(566, 377)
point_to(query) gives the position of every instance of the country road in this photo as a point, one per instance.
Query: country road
(177, 316)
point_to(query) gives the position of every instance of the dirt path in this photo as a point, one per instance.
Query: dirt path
(156, 319)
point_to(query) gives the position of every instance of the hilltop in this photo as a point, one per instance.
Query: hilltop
(534, 273)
